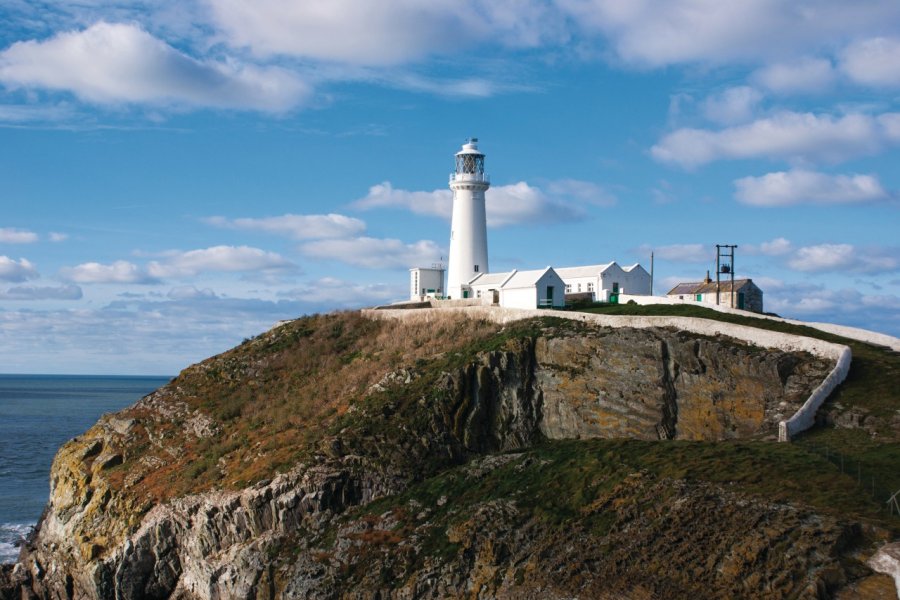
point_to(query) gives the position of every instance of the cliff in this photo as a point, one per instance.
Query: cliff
(337, 456)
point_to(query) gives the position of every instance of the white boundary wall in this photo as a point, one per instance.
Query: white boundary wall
(854, 333)
(803, 419)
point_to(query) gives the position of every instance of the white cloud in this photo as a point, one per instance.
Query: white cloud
(505, 205)
(874, 62)
(9, 235)
(337, 291)
(786, 135)
(28, 292)
(695, 253)
(118, 272)
(298, 227)
(58, 237)
(777, 247)
(190, 292)
(177, 264)
(374, 253)
(733, 105)
(843, 257)
(229, 259)
(382, 33)
(667, 32)
(16, 271)
(798, 76)
(800, 186)
(114, 63)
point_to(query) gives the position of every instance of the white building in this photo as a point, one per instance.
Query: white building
(606, 282)
(540, 288)
(468, 274)
(468, 227)
(426, 282)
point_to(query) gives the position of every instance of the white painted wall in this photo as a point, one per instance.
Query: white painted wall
(635, 282)
(468, 228)
(422, 279)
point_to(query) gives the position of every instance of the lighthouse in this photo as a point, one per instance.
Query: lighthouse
(468, 226)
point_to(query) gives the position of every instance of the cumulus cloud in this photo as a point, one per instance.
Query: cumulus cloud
(844, 257)
(506, 205)
(798, 76)
(667, 32)
(384, 33)
(733, 105)
(16, 270)
(873, 62)
(786, 135)
(298, 227)
(190, 292)
(27, 292)
(115, 63)
(229, 259)
(177, 264)
(339, 292)
(374, 253)
(9, 235)
(776, 247)
(696, 253)
(799, 186)
(120, 271)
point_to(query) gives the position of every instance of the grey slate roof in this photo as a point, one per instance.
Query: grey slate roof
(700, 287)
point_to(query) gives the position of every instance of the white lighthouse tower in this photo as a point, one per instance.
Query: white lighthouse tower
(468, 228)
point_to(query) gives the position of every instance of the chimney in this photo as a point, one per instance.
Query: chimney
(707, 280)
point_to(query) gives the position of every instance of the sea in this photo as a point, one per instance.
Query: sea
(39, 413)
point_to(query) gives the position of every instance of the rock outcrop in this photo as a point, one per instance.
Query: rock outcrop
(141, 505)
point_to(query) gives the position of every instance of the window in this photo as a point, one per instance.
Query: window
(590, 287)
(476, 268)
(568, 288)
(579, 287)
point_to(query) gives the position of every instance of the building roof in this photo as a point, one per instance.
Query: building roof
(585, 271)
(522, 279)
(490, 278)
(511, 279)
(701, 287)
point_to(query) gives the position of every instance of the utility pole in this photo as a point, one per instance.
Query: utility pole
(651, 273)
(725, 266)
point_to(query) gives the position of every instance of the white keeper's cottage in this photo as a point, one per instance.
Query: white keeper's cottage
(468, 273)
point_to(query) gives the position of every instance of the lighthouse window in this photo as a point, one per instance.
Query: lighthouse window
(476, 268)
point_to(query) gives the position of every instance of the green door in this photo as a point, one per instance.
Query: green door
(741, 300)
(465, 293)
(614, 295)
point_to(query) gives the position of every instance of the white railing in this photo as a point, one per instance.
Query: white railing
(473, 177)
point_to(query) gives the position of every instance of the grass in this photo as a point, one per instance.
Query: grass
(563, 484)
(275, 397)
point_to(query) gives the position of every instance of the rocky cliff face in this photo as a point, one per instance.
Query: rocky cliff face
(149, 504)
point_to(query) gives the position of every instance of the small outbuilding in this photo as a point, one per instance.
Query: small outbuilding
(743, 294)
(540, 288)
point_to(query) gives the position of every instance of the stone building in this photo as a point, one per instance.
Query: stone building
(744, 295)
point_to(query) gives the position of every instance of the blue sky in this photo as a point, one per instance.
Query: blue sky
(180, 175)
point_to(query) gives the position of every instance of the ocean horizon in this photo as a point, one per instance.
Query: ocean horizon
(38, 414)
